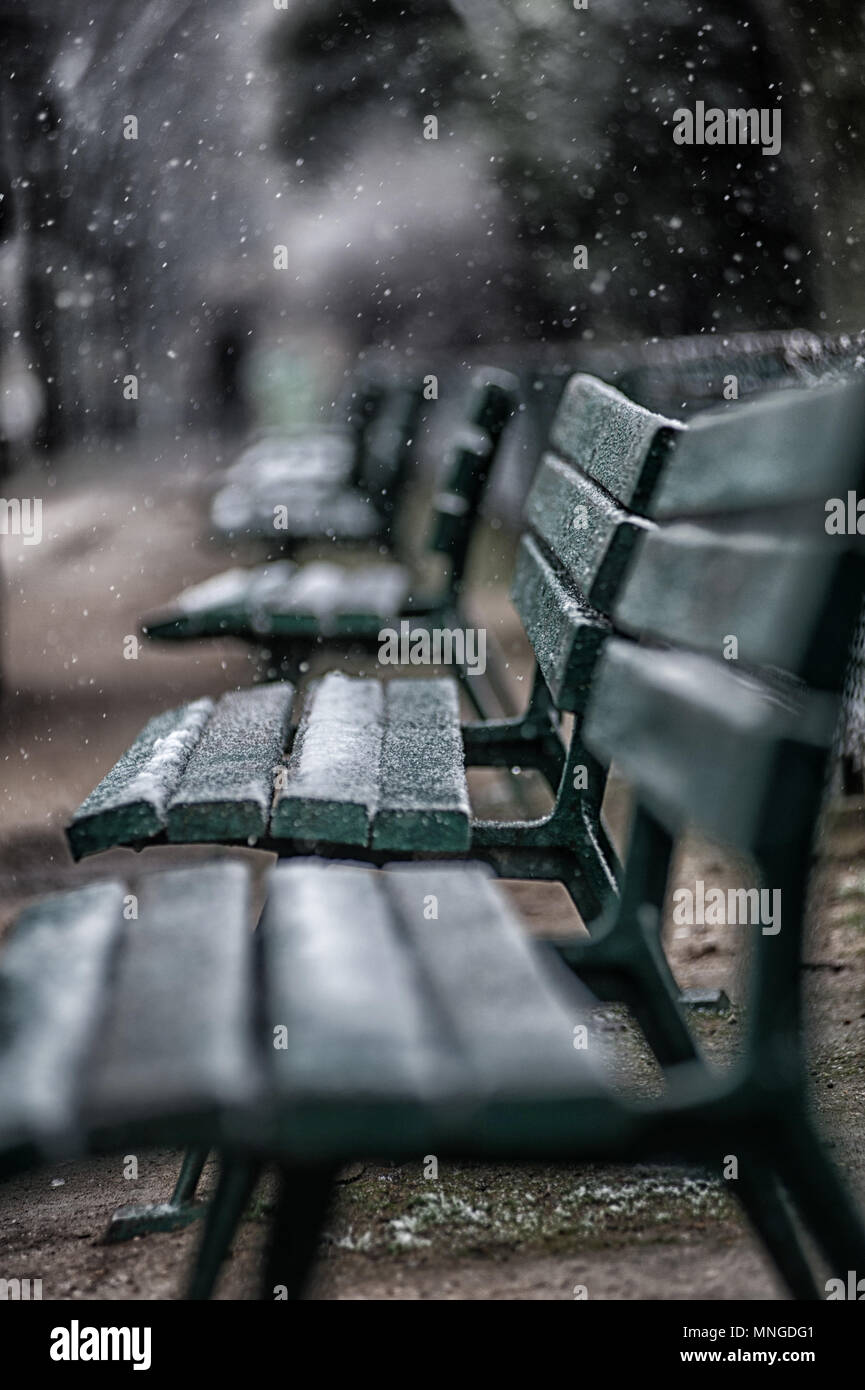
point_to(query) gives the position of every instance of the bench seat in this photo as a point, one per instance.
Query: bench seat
(373, 764)
(337, 483)
(285, 610)
(352, 1018)
(286, 600)
(323, 455)
(304, 472)
(317, 511)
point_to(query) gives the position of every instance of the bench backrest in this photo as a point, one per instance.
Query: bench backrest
(734, 493)
(388, 446)
(720, 710)
(493, 400)
(748, 593)
(388, 449)
(585, 509)
(680, 376)
(361, 403)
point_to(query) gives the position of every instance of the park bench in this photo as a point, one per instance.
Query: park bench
(376, 770)
(327, 453)
(454, 1035)
(386, 1055)
(289, 609)
(378, 800)
(319, 458)
(332, 485)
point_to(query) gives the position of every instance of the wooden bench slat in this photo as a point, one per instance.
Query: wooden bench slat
(323, 456)
(283, 599)
(512, 1009)
(565, 632)
(155, 1020)
(331, 783)
(53, 971)
(377, 763)
(227, 788)
(612, 440)
(218, 605)
(333, 598)
(129, 804)
(423, 803)
(758, 581)
(177, 1036)
(763, 452)
(698, 739)
(346, 516)
(380, 1003)
(684, 376)
(239, 510)
(341, 983)
(587, 534)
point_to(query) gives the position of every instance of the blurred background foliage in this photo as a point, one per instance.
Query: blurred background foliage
(303, 126)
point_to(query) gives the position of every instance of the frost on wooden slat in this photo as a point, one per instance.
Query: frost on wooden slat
(272, 510)
(227, 789)
(424, 796)
(319, 456)
(331, 782)
(588, 535)
(129, 804)
(329, 592)
(566, 633)
(281, 599)
(223, 592)
(619, 444)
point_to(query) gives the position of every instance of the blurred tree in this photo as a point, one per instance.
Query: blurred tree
(571, 111)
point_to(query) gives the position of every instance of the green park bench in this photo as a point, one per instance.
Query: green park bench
(353, 1022)
(339, 484)
(376, 770)
(317, 459)
(287, 610)
(409, 1037)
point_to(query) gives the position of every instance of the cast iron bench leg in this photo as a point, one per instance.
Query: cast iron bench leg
(237, 1181)
(625, 959)
(762, 1197)
(187, 1179)
(821, 1197)
(145, 1218)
